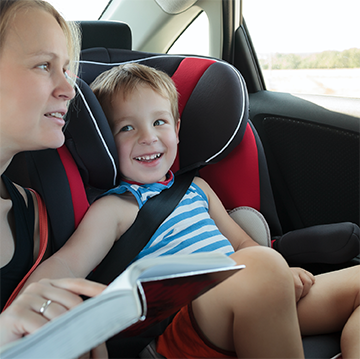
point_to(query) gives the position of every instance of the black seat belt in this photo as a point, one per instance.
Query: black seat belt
(148, 220)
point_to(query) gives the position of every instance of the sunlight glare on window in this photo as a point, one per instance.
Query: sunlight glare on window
(195, 39)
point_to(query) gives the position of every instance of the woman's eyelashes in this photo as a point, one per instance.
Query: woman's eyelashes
(45, 66)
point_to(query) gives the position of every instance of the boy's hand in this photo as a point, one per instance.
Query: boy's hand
(303, 281)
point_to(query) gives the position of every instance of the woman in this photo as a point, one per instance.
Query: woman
(38, 53)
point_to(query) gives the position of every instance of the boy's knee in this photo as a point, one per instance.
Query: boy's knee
(261, 258)
(265, 263)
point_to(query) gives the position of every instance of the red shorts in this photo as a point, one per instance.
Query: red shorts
(184, 339)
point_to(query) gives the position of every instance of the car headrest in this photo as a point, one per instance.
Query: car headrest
(111, 34)
(90, 141)
(213, 105)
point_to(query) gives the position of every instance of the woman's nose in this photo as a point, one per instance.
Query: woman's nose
(64, 88)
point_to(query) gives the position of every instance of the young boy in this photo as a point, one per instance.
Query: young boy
(252, 314)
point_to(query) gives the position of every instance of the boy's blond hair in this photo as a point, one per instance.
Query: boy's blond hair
(127, 77)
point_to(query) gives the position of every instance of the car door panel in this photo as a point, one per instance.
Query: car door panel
(313, 156)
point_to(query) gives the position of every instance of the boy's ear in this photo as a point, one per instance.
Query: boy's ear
(177, 129)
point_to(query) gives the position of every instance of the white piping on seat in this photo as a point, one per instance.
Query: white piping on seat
(130, 61)
(241, 81)
(239, 122)
(99, 133)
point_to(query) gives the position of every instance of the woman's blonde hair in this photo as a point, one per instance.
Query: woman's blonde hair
(9, 9)
(127, 77)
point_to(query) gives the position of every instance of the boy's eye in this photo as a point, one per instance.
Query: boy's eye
(126, 128)
(159, 122)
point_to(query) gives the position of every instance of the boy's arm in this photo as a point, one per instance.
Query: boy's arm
(227, 226)
(105, 221)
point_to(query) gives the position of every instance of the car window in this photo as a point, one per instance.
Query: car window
(80, 9)
(195, 39)
(309, 46)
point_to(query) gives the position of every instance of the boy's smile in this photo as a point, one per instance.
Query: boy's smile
(145, 134)
(148, 158)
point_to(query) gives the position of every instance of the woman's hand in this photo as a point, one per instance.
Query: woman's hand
(303, 281)
(42, 301)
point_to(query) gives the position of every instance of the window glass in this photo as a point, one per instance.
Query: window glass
(308, 46)
(195, 39)
(80, 9)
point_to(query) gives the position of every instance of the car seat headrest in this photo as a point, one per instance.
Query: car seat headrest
(89, 139)
(111, 34)
(215, 110)
(213, 105)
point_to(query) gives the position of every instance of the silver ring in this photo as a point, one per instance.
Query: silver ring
(44, 307)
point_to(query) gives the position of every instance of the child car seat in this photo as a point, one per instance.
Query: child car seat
(202, 116)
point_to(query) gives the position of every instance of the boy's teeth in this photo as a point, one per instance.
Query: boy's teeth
(148, 158)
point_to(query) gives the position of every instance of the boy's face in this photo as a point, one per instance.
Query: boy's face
(145, 134)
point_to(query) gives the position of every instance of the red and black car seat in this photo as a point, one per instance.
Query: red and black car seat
(213, 104)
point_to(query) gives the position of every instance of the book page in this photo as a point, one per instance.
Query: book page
(164, 297)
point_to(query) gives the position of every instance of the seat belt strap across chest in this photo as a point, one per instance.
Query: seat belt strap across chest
(148, 220)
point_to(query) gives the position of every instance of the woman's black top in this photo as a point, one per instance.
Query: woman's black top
(13, 272)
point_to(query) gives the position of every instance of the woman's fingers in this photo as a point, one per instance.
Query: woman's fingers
(79, 286)
(41, 302)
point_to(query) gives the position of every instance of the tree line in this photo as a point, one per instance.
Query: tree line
(323, 60)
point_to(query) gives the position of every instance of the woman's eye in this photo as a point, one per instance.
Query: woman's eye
(126, 128)
(159, 122)
(44, 66)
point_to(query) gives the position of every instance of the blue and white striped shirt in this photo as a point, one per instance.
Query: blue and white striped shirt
(188, 229)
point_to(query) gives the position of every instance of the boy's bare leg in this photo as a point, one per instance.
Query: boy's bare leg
(333, 304)
(254, 311)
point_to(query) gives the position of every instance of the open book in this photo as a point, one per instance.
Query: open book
(147, 292)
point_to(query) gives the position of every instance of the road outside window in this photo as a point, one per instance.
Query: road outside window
(308, 46)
